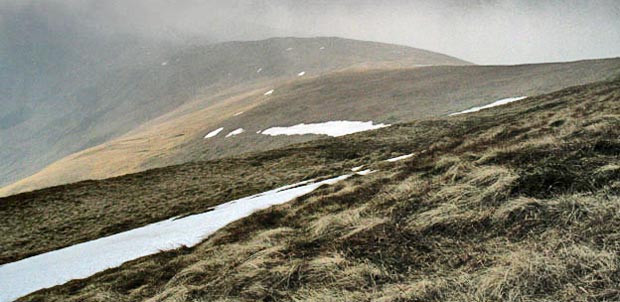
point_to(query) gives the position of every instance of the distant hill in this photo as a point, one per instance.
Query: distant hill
(391, 95)
(64, 90)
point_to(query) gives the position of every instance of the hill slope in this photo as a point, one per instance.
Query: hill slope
(63, 90)
(517, 203)
(386, 96)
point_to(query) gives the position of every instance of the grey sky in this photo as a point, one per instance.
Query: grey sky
(482, 31)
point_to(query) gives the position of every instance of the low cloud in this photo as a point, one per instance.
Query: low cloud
(483, 31)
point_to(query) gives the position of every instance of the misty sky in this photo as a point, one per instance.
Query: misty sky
(481, 31)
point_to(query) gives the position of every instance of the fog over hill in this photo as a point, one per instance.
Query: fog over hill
(481, 31)
(76, 73)
(323, 150)
(67, 84)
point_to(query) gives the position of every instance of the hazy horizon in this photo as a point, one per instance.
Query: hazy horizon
(483, 31)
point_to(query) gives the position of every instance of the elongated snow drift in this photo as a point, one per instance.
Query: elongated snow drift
(86, 259)
(333, 128)
(494, 104)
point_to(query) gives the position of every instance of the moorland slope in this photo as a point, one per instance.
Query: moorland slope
(514, 203)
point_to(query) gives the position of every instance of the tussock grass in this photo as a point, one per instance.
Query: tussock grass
(348, 222)
(507, 205)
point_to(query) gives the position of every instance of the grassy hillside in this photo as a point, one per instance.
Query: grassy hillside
(388, 96)
(516, 203)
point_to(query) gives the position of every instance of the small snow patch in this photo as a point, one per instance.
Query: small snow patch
(322, 48)
(289, 49)
(270, 92)
(259, 70)
(395, 159)
(494, 104)
(238, 113)
(259, 131)
(214, 133)
(357, 168)
(164, 63)
(236, 132)
(301, 74)
(333, 128)
(365, 172)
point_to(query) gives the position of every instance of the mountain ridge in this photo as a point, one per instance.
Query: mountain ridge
(382, 95)
(94, 93)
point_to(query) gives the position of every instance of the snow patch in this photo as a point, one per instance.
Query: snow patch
(86, 259)
(214, 133)
(289, 49)
(322, 48)
(365, 172)
(301, 74)
(235, 133)
(238, 113)
(357, 168)
(259, 70)
(494, 104)
(333, 128)
(164, 63)
(270, 92)
(259, 131)
(395, 159)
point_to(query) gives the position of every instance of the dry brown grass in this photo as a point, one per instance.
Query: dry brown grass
(531, 217)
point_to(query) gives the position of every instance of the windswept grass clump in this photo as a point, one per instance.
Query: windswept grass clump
(519, 203)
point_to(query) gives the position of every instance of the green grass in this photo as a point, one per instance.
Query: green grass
(517, 203)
